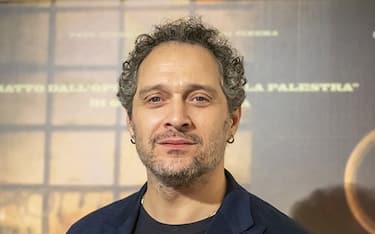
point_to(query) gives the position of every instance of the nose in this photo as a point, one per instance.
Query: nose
(178, 116)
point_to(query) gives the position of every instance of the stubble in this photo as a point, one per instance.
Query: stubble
(208, 156)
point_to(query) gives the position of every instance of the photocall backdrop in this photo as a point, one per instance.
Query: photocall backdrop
(305, 143)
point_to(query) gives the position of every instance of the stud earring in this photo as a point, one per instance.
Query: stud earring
(231, 139)
(132, 140)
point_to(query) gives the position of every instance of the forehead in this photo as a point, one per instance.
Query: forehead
(177, 62)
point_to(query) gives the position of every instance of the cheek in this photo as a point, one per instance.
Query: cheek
(214, 117)
(211, 125)
(146, 123)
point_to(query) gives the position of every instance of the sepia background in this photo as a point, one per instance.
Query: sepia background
(306, 142)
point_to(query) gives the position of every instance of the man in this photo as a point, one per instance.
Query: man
(182, 88)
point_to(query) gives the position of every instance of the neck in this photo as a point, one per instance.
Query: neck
(196, 201)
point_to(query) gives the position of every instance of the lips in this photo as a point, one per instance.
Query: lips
(175, 141)
(173, 144)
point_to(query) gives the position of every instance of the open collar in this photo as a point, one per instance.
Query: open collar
(234, 215)
(134, 207)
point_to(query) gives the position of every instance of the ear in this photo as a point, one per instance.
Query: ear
(235, 117)
(130, 125)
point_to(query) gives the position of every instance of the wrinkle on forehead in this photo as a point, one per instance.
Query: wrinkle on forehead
(185, 62)
(167, 50)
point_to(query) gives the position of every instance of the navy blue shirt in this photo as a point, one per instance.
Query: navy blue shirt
(240, 212)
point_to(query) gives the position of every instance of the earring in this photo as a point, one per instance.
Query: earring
(132, 140)
(231, 139)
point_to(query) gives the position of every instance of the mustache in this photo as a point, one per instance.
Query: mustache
(171, 133)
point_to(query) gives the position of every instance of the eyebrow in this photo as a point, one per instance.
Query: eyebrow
(188, 89)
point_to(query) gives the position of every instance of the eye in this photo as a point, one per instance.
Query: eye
(154, 99)
(200, 99)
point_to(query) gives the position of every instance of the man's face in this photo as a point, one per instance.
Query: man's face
(180, 117)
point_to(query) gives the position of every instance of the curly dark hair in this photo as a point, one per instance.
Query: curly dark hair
(186, 30)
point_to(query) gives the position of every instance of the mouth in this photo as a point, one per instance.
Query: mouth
(176, 143)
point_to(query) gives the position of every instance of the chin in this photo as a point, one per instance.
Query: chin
(175, 165)
(177, 178)
(175, 174)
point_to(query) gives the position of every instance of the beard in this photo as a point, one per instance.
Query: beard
(183, 171)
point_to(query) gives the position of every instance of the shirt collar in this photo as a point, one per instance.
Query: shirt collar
(233, 216)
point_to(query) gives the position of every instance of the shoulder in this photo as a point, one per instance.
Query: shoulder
(106, 219)
(254, 214)
(272, 219)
